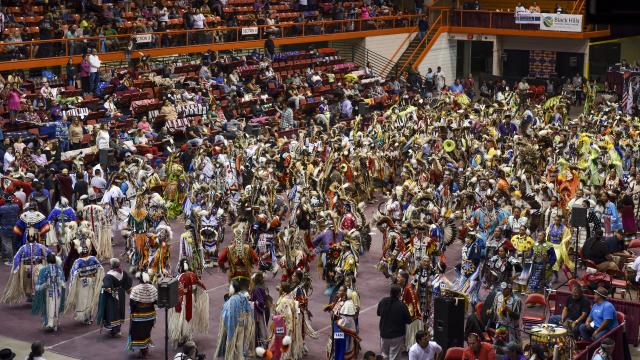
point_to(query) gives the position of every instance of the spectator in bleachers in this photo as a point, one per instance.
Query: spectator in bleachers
(558, 9)
(269, 47)
(16, 51)
(8, 159)
(520, 8)
(103, 144)
(423, 27)
(286, 117)
(62, 134)
(534, 8)
(168, 111)
(76, 132)
(48, 93)
(199, 22)
(294, 96)
(143, 144)
(14, 97)
(94, 75)
(30, 115)
(83, 73)
(70, 71)
(346, 108)
(72, 33)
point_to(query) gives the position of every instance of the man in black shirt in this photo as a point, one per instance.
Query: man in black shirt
(269, 47)
(81, 187)
(394, 318)
(597, 250)
(575, 311)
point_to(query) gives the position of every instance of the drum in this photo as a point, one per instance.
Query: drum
(553, 338)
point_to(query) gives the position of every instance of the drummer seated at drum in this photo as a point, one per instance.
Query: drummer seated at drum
(601, 319)
(575, 311)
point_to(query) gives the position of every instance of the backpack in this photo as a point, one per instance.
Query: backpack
(41, 200)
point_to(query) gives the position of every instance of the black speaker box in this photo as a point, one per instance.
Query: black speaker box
(448, 322)
(363, 109)
(168, 293)
(578, 217)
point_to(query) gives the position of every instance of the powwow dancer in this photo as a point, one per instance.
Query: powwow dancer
(192, 312)
(111, 306)
(48, 301)
(142, 304)
(84, 286)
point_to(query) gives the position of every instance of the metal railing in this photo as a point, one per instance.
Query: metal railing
(363, 56)
(433, 29)
(42, 49)
(502, 20)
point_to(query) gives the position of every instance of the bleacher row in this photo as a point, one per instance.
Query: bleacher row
(144, 97)
(243, 9)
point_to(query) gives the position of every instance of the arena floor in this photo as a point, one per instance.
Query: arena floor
(80, 341)
(88, 342)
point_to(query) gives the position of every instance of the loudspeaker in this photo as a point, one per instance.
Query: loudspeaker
(363, 109)
(168, 293)
(448, 322)
(578, 217)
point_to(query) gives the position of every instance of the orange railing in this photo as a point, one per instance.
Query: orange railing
(440, 21)
(428, 47)
(501, 20)
(578, 6)
(489, 19)
(221, 37)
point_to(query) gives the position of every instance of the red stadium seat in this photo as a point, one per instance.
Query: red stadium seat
(454, 353)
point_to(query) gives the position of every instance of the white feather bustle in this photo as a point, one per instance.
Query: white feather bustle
(260, 351)
(286, 341)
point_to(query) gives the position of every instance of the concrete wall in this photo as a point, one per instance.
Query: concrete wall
(442, 53)
(550, 44)
(388, 44)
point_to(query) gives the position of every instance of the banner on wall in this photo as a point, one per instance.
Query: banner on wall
(528, 18)
(144, 38)
(561, 22)
(250, 31)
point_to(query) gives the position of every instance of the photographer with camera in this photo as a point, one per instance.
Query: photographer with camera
(189, 352)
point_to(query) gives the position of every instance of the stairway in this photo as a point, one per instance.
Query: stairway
(413, 51)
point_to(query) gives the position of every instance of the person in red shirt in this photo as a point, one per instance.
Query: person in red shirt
(477, 350)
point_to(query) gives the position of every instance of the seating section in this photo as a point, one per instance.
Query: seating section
(143, 97)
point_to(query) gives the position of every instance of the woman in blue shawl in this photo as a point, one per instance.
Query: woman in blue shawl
(48, 301)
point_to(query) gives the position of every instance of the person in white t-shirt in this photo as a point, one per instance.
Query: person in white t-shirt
(9, 159)
(199, 22)
(424, 348)
(94, 68)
